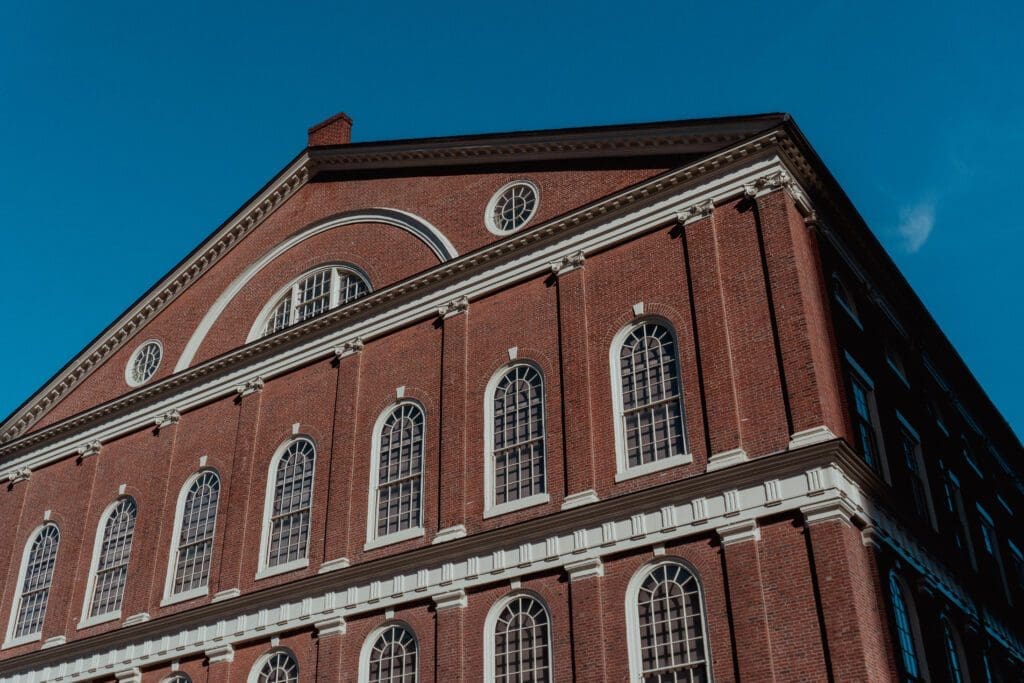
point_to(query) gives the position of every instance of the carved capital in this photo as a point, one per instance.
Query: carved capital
(87, 450)
(747, 530)
(568, 263)
(696, 212)
(171, 417)
(330, 625)
(454, 307)
(21, 474)
(220, 653)
(349, 347)
(454, 600)
(250, 386)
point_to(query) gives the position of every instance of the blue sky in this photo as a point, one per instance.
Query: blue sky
(129, 131)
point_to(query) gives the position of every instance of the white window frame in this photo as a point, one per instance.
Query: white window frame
(254, 672)
(86, 621)
(9, 639)
(490, 508)
(171, 598)
(922, 471)
(371, 640)
(633, 616)
(372, 539)
(493, 227)
(128, 378)
(623, 471)
(915, 627)
(263, 569)
(491, 623)
(258, 330)
(876, 422)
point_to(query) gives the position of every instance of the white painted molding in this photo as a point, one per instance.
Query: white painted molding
(222, 652)
(87, 450)
(696, 212)
(53, 642)
(809, 437)
(171, 417)
(730, 458)
(133, 675)
(226, 594)
(585, 569)
(20, 474)
(334, 565)
(739, 532)
(832, 510)
(330, 626)
(452, 600)
(449, 534)
(568, 263)
(349, 347)
(453, 308)
(140, 618)
(579, 499)
(250, 386)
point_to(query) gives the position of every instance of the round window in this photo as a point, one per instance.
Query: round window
(512, 207)
(143, 363)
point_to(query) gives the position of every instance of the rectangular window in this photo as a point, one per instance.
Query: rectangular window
(990, 542)
(1018, 564)
(955, 506)
(910, 449)
(865, 416)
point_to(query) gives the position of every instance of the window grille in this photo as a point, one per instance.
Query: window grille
(393, 657)
(280, 667)
(144, 363)
(115, 552)
(522, 643)
(178, 678)
(195, 535)
(512, 206)
(518, 448)
(35, 588)
(672, 629)
(864, 424)
(912, 459)
(292, 503)
(315, 294)
(400, 470)
(652, 401)
(952, 653)
(905, 635)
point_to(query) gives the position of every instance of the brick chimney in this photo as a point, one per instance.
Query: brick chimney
(336, 130)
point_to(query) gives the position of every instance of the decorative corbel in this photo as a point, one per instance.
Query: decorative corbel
(349, 347)
(568, 263)
(250, 386)
(20, 474)
(171, 417)
(87, 450)
(453, 307)
(696, 212)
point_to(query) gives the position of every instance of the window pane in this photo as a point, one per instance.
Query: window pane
(518, 448)
(522, 643)
(399, 472)
(280, 667)
(293, 500)
(195, 538)
(393, 657)
(671, 621)
(35, 589)
(112, 566)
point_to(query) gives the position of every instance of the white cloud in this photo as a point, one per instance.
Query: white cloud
(916, 223)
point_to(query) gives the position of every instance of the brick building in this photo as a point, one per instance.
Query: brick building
(640, 402)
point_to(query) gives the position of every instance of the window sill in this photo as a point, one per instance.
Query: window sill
(95, 621)
(396, 537)
(21, 640)
(651, 467)
(521, 504)
(267, 572)
(186, 596)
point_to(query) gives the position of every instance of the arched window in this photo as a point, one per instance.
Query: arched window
(313, 294)
(276, 667)
(667, 639)
(110, 562)
(397, 477)
(649, 427)
(289, 506)
(178, 678)
(515, 467)
(195, 522)
(389, 656)
(517, 648)
(34, 582)
(908, 633)
(954, 653)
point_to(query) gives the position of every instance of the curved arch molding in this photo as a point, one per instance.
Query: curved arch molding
(411, 223)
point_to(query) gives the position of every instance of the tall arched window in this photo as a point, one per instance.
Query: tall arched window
(390, 656)
(195, 522)
(954, 653)
(313, 294)
(276, 667)
(397, 478)
(650, 433)
(908, 633)
(667, 639)
(515, 468)
(110, 561)
(517, 648)
(178, 678)
(35, 579)
(289, 505)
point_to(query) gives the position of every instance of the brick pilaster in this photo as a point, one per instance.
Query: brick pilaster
(454, 390)
(450, 617)
(330, 639)
(218, 663)
(746, 601)
(587, 610)
(339, 541)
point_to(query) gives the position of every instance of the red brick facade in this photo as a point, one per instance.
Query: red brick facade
(789, 534)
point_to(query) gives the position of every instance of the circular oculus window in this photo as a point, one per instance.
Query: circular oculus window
(512, 207)
(144, 363)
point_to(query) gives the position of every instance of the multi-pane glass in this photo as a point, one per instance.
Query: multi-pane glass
(522, 643)
(195, 537)
(393, 657)
(178, 678)
(515, 207)
(400, 470)
(864, 426)
(952, 653)
(145, 362)
(911, 459)
(35, 588)
(518, 451)
(315, 294)
(112, 564)
(652, 400)
(292, 503)
(672, 630)
(908, 652)
(279, 667)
